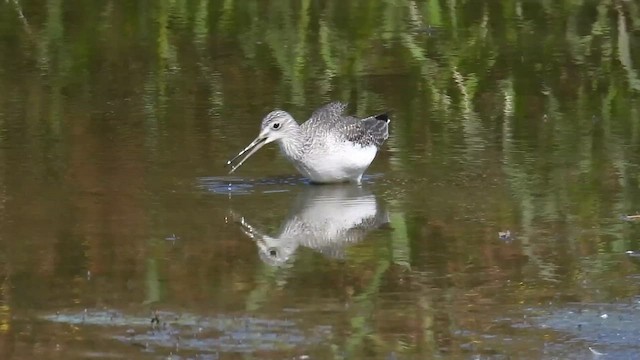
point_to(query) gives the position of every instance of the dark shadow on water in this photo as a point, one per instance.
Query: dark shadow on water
(200, 335)
(235, 185)
(326, 219)
(606, 330)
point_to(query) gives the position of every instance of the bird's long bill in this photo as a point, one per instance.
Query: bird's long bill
(255, 145)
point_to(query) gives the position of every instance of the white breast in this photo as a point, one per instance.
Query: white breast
(343, 161)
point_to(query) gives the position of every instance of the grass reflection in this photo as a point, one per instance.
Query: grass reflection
(516, 114)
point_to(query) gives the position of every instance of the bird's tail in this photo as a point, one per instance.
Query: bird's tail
(378, 127)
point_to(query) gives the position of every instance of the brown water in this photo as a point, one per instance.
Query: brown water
(122, 236)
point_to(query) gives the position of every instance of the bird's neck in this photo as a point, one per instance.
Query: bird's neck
(292, 146)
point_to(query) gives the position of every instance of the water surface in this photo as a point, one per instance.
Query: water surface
(123, 236)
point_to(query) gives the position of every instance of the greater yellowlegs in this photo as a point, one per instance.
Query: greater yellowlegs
(326, 219)
(330, 147)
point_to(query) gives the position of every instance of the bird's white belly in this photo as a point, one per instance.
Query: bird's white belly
(330, 218)
(343, 162)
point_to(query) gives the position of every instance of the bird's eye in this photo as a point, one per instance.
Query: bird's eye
(275, 126)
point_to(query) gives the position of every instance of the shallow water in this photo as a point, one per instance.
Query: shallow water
(496, 222)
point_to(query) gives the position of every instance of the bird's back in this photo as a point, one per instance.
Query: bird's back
(330, 123)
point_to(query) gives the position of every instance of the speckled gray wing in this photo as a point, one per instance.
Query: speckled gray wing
(373, 130)
(327, 116)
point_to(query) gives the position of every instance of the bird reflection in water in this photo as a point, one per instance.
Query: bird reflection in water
(326, 219)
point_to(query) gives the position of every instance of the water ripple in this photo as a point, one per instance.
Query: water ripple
(234, 185)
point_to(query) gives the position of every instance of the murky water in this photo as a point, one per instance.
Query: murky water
(494, 223)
